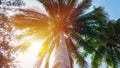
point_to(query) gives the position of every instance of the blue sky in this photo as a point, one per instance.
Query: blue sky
(112, 7)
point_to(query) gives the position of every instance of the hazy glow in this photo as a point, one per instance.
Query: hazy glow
(28, 58)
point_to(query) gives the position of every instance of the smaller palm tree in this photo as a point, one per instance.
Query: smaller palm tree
(101, 39)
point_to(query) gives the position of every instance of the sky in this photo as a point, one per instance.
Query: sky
(111, 7)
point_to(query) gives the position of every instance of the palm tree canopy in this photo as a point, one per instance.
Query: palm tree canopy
(101, 39)
(62, 20)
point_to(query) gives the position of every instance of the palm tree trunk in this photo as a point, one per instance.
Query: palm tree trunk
(62, 59)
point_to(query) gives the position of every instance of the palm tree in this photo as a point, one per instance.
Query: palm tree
(101, 39)
(61, 28)
(6, 50)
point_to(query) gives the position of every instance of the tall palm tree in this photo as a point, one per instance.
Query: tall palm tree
(101, 39)
(61, 28)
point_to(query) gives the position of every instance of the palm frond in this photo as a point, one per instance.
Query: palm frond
(56, 7)
(45, 46)
(112, 60)
(30, 18)
(80, 8)
(76, 54)
(97, 16)
(51, 48)
(46, 50)
(97, 56)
